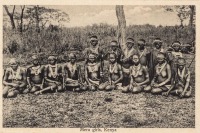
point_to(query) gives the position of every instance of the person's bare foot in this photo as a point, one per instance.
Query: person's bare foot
(38, 93)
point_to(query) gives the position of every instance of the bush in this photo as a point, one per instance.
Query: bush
(63, 40)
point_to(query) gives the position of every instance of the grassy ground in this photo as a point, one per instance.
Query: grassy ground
(100, 109)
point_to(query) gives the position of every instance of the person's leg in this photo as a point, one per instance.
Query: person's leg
(34, 89)
(50, 88)
(60, 88)
(93, 88)
(12, 93)
(188, 94)
(103, 86)
(148, 88)
(84, 87)
(137, 89)
(177, 91)
(5, 91)
(110, 87)
(125, 89)
(159, 90)
(156, 91)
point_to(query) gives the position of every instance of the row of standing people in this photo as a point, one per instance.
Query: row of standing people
(155, 71)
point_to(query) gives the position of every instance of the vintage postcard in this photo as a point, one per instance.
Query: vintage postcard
(91, 67)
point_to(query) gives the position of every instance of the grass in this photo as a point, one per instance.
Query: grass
(101, 109)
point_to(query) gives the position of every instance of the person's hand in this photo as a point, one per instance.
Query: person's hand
(15, 85)
(101, 74)
(182, 94)
(38, 92)
(165, 93)
(29, 86)
(57, 82)
(152, 83)
(156, 85)
(41, 86)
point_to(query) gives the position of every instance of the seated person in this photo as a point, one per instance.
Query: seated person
(181, 86)
(53, 76)
(14, 80)
(35, 75)
(92, 73)
(173, 56)
(162, 77)
(72, 74)
(139, 76)
(115, 75)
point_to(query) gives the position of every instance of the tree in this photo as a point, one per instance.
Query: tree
(192, 15)
(42, 16)
(121, 26)
(19, 16)
(11, 15)
(183, 13)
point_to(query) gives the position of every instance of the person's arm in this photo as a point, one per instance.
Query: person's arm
(121, 75)
(28, 78)
(186, 85)
(86, 75)
(146, 73)
(23, 83)
(168, 78)
(109, 76)
(131, 77)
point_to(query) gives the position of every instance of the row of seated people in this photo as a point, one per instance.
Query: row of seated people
(54, 77)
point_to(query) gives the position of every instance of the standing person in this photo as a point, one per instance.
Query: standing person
(14, 80)
(92, 73)
(35, 75)
(53, 76)
(139, 76)
(72, 74)
(162, 77)
(182, 86)
(94, 48)
(157, 48)
(126, 60)
(114, 48)
(144, 54)
(115, 75)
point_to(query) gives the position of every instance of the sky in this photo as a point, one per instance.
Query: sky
(135, 15)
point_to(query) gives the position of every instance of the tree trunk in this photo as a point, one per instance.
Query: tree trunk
(37, 18)
(11, 16)
(121, 26)
(21, 18)
(192, 14)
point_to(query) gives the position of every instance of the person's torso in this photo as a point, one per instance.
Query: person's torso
(114, 71)
(72, 71)
(161, 72)
(54, 73)
(137, 73)
(36, 74)
(15, 75)
(93, 71)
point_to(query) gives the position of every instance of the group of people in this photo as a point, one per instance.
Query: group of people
(133, 68)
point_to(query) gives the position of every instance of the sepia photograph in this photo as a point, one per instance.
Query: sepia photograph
(98, 66)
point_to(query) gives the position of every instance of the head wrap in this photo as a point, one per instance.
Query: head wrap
(181, 61)
(12, 62)
(93, 38)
